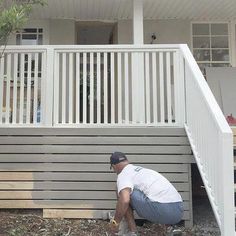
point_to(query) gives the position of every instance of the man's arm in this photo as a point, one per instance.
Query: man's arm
(122, 204)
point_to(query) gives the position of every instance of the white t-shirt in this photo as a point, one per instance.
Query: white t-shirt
(155, 186)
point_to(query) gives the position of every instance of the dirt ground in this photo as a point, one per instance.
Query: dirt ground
(31, 223)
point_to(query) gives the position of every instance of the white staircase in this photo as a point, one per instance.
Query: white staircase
(211, 140)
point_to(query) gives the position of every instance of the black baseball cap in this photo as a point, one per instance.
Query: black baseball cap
(117, 157)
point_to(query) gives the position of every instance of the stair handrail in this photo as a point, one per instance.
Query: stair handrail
(211, 140)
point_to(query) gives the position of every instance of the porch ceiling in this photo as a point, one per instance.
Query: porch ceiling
(111, 10)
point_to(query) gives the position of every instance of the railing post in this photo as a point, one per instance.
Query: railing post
(47, 88)
(227, 177)
(179, 88)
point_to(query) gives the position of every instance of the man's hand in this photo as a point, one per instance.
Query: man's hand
(114, 227)
(122, 204)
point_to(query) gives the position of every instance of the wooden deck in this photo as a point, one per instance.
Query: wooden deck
(66, 171)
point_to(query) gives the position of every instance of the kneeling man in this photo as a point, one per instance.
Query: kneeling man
(147, 192)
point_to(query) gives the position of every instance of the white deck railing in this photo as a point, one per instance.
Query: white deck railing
(159, 85)
(91, 85)
(212, 143)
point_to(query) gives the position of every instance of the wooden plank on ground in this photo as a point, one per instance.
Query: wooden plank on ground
(84, 214)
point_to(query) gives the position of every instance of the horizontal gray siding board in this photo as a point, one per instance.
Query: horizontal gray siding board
(86, 204)
(93, 167)
(124, 131)
(55, 185)
(37, 176)
(105, 195)
(94, 140)
(97, 158)
(94, 149)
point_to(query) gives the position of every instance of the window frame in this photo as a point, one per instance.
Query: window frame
(210, 62)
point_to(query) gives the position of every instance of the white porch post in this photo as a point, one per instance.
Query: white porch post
(138, 111)
(138, 21)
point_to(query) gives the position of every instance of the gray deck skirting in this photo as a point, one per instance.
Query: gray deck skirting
(67, 169)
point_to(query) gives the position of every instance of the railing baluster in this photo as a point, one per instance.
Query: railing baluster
(63, 115)
(28, 100)
(8, 92)
(84, 88)
(36, 117)
(162, 101)
(78, 88)
(91, 116)
(147, 80)
(105, 90)
(98, 88)
(1, 86)
(22, 76)
(112, 90)
(154, 86)
(14, 106)
(126, 64)
(119, 88)
(71, 93)
(168, 87)
(56, 88)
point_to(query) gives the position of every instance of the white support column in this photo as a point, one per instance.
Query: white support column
(138, 21)
(138, 109)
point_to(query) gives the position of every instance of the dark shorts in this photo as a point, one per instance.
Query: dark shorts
(163, 213)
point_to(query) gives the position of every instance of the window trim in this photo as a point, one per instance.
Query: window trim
(229, 41)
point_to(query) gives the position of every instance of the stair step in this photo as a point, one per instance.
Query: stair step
(234, 134)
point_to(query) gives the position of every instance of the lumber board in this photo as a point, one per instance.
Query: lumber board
(84, 214)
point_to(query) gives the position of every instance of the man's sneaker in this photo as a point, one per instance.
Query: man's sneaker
(131, 234)
(123, 228)
(174, 231)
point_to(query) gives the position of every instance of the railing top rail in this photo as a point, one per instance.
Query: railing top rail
(117, 47)
(216, 112)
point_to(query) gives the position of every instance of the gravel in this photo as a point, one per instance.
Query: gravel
(31, 223)
(203, 219)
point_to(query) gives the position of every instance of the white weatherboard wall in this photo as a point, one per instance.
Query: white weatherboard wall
(62, 32)
(167, 31)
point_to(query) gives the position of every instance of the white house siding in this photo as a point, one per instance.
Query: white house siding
(167, 31)
(62, 32)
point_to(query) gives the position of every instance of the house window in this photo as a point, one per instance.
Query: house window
(30, 36)
(210, 42)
